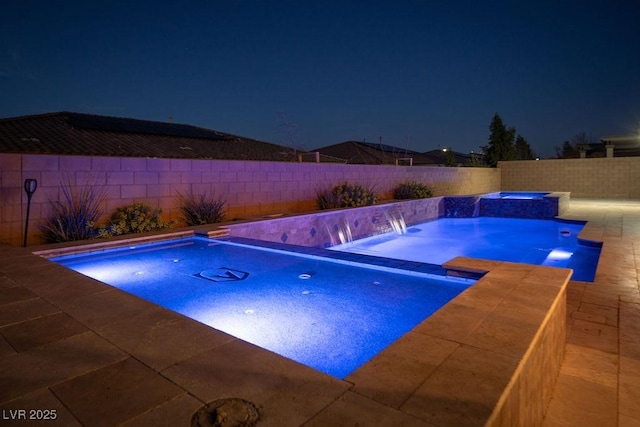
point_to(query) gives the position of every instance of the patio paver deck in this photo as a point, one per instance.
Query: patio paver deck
(91, 372)
(599, 381)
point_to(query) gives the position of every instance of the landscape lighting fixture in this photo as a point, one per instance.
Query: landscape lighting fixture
(30, 186)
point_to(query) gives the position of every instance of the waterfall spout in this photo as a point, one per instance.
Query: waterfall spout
(396, 220)
(340, 232)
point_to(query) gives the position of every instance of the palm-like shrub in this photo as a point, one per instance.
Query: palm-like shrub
(325, 199)
(201, 209)
(411, 190)
(75, 215)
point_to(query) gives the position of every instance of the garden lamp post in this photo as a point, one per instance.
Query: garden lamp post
(30, 186)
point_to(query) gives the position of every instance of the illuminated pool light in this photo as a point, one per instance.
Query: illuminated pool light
(558, 255)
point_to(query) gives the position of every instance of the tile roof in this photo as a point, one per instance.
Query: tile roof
(357, 152)
(67, 133)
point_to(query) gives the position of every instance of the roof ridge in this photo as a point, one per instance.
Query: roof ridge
(34, 116)
(70, 114)
(141, 126)
(71, 133)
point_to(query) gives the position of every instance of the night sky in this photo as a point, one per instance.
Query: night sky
(418, 74)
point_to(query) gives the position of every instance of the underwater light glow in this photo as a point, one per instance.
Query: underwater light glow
(113, 272)
(559, 255)
(334, 320)
(530, 241)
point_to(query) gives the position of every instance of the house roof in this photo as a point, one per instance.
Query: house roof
(357, 152)
(68, 133)
(440, 157)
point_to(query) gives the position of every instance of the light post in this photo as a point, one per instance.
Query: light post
(30, 186)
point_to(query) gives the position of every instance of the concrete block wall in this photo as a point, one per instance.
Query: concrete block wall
(616, 177)
(250, 188)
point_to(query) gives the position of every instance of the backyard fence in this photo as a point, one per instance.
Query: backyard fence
(616, 177)
(253, 188)
(250, 188)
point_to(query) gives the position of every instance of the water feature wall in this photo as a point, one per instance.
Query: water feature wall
(327, 228)
(547, 207)
(461, 207)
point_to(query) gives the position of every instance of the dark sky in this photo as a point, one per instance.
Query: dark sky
(418, 74)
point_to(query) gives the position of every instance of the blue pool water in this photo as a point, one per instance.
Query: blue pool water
(330, 315)
(532, 241)
(516, 195)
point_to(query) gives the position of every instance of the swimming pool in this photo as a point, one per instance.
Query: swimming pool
(552, 243)
(516, 195)
(331, 315)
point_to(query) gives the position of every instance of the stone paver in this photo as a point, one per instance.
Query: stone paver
(54, 362)
(351, 409)
(115, 393)
(61, 350)
(237, 369)
(598, 383)
(467, 410)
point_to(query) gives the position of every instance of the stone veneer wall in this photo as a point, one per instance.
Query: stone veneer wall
(550, 206)
(616, 177)
(527, 397)
(327, 228)
(528, 324)
(250, 188)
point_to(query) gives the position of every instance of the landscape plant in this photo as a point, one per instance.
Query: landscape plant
(75, 214)
(134, 218)
(325, 199)
(202, 208)
(411, 190)
(346, 195)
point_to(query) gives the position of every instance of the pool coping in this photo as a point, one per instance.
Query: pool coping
(497, 322)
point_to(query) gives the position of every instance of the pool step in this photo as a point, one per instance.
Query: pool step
(218, 232)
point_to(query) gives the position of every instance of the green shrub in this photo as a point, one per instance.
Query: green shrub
(135, 218)
(325, 199)
(201, 209)
(346, 195)
(75, 215)
(411, 190)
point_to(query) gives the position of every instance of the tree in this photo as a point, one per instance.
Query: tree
(582, 141)
(571, 149)
(566, 151)
(501, 146)
(476, 161)
(523, 149)
(450, 158)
